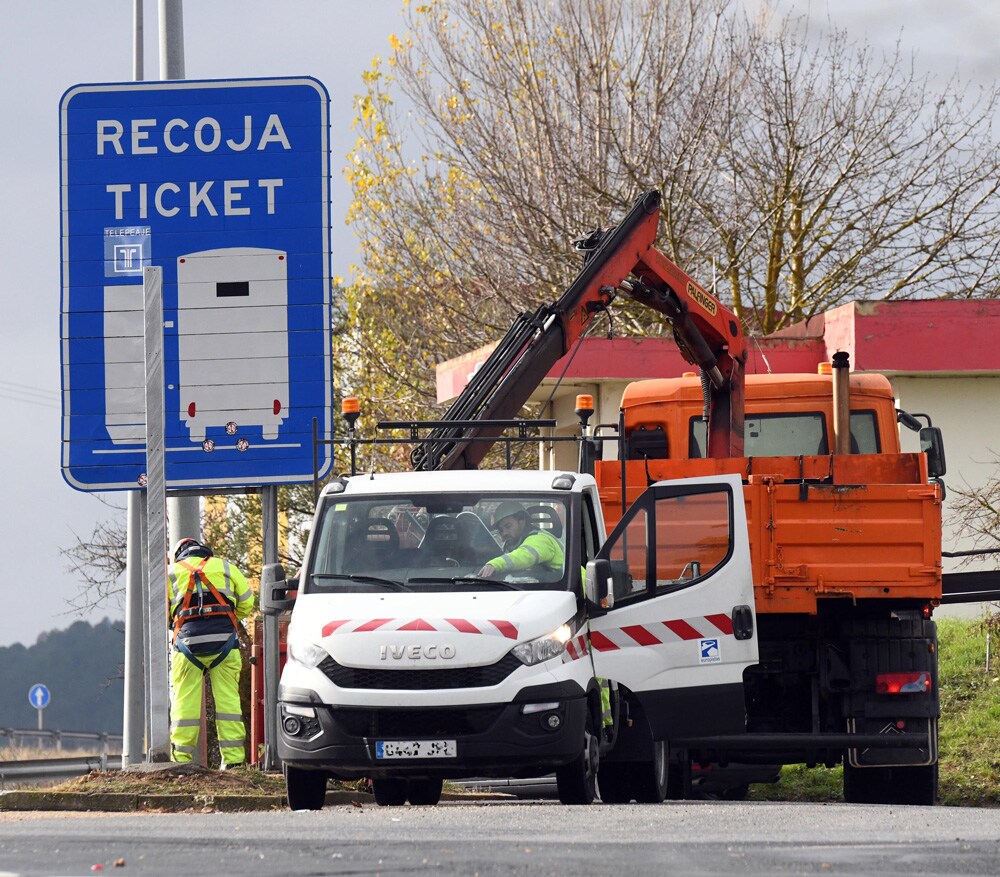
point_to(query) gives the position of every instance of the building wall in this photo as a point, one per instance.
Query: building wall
(965, 408)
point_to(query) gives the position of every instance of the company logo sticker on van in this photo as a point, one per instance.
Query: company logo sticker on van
(709, 651)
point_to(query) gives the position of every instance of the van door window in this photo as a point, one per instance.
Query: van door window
(671, 538)
(693, 538)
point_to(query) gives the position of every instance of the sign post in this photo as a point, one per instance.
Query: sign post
(224, 186)
(38, 697)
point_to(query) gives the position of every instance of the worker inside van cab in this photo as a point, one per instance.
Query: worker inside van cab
(525, 547)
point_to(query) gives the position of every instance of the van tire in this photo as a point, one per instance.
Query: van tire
(389, 791)
(615, 782)
(577, 781)
(424, 791)
(305, 789)
(650, 779)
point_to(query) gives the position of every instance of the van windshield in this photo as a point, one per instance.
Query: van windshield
(439, 542)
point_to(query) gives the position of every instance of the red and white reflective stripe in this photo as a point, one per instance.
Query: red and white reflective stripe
(481, 626)
(662, 632)
(576, 648)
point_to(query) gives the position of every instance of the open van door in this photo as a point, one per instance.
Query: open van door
(680, 627)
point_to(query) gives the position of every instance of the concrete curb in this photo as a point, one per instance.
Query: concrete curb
(131, 802)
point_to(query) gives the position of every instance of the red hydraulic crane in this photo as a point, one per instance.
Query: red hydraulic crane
(618, 259)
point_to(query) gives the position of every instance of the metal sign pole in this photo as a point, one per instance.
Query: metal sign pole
(133, 720)
(158, 740)
(271, 650)
(135, 713)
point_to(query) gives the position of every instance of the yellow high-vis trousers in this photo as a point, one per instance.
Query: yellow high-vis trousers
(186, 706)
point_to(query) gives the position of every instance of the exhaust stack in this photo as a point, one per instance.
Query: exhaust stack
(841, 402)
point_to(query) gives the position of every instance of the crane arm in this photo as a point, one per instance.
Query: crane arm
(707, 333)
(536, 342)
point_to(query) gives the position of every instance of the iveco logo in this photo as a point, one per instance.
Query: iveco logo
(415, 653)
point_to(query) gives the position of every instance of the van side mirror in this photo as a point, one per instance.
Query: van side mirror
(932, 444)
(598, 587)
(274, 590)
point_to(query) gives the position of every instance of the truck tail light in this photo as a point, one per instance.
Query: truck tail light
(917, 682)
(277, 406)
(191, 409)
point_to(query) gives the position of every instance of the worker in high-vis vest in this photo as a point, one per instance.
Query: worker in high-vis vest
(208, 598)
(525, 548)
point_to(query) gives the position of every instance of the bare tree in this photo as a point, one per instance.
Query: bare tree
(805, 173)
(232, 528)
(99, 561)
(975, 513)
(846, 175)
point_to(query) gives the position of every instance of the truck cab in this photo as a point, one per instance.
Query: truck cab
(784, 416)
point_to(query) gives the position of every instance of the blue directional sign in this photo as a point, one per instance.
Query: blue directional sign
(225, 186)
(38, 696)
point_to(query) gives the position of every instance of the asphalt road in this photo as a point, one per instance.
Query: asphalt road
(537, 838)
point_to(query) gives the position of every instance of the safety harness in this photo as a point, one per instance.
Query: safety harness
(200, 610)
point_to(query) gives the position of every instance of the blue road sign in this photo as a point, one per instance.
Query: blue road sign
(38, 696)
(225, 185)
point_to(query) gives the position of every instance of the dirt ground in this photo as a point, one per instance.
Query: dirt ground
(180, 780)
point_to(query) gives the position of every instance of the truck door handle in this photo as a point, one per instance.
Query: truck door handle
(742, 622)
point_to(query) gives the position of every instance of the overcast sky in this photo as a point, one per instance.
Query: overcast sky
(51, 46)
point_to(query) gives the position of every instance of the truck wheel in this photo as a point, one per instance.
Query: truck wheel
(649, 778)
(615, 781)
(389, 792)
(577, 781)
(916, 784)
(424, 791)
(306, 789)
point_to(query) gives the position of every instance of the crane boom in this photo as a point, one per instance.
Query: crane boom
(621, 258)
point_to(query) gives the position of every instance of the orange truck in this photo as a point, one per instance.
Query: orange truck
(844, 536)
(846, 559)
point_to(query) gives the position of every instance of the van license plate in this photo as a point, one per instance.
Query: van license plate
(415, 749)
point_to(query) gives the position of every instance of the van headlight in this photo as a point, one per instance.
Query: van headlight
(307, 654)
(545, 647)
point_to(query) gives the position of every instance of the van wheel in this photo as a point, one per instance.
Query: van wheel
(424, 791)
(389, 792)
(577, 781)
(305, 789)
(615, 781)
(650, 778)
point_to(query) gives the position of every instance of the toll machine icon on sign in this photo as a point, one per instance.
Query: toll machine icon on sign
(232, 328)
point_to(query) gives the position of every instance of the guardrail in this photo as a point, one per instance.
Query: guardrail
(57, 739)
(35, 770)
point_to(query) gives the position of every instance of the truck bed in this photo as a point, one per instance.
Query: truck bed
(851, 527)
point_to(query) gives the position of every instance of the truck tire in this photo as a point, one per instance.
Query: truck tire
(615, 781)
(577, 781)
(305, 789)
(650, 779)
(916, 784)
(424, 791)
(390, 792)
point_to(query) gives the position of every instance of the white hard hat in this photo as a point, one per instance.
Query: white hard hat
(181, 544)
